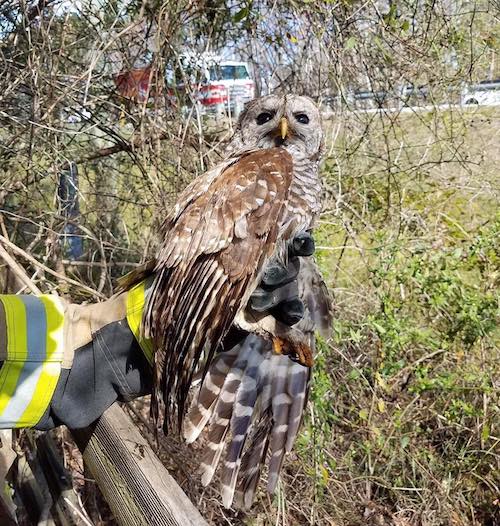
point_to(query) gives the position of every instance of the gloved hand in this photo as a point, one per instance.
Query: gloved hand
(278, 292)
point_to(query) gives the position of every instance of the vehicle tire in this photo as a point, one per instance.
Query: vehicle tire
(472, 101)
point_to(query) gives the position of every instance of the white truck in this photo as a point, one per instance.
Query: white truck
(486, 93)
(219, 86)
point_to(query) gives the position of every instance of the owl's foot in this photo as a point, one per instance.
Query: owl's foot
(298, 352)
(304, 355)
(279, 346)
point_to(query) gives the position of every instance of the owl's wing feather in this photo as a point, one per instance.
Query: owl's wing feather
(197, 188)
(137, 275)
(188, 196)
(263, 396)
(316, 297)
(215, 244)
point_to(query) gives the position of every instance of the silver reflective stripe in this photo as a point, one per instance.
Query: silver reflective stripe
(26, 385)
(36, 327)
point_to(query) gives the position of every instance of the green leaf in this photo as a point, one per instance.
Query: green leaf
(485, 432)
(379, 328)
(351, 43)
(363, 414)
(354, 374)
(325, 476)
(241, 14)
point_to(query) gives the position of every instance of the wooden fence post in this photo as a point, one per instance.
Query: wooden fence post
(136, 485)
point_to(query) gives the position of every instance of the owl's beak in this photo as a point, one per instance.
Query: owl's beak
(283, 127)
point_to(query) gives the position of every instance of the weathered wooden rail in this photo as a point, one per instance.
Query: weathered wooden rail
(136, 485)
(133, 480)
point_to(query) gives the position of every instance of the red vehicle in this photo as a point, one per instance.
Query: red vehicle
(218, 86)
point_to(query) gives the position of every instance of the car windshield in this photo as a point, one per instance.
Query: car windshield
(228, 73)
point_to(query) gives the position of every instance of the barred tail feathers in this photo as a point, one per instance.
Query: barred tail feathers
(257, 407)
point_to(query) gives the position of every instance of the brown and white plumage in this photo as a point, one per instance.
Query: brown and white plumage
(211, 254)
(224, 228)
(253, 400)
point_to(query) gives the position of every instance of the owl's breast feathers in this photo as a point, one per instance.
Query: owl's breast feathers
(225, 226)
(304, 199)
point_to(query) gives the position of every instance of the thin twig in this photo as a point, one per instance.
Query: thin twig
(18, 271)
(35, 262)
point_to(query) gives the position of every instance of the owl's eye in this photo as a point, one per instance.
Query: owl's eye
(302, 118)
(264, 117)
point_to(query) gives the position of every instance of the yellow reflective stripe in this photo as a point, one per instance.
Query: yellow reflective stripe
(42, 395)
(55, 328)
(17, 348)
(135, 303)
(35, 340)
(15, 316)
(51, 367)
(135, 307)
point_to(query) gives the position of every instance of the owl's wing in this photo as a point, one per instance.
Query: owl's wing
(197, 188)
(316, 297)
(215, 244)
(253, 400)
(188, 196)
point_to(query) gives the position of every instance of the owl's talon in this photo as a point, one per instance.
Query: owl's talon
(298, 353)
(303, 355)
(278, 346)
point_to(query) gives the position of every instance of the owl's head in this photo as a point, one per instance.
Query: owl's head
(292, 122)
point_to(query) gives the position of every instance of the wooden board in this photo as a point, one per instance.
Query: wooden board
(136, 485)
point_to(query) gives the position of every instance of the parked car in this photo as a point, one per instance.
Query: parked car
(414, 95)
(486, 93)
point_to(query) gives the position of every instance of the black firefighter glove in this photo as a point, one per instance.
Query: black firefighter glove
(278, 291)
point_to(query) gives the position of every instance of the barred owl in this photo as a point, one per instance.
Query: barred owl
(223, 230)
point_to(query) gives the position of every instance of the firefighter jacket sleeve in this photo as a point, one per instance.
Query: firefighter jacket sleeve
(66, 364)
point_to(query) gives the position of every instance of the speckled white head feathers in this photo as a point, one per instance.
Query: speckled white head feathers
(261, 126)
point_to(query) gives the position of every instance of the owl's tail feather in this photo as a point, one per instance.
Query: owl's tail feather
(251, 465)
(219, 424)
(253, 392)
(256, 407)
(229, 408)
(203, 408)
